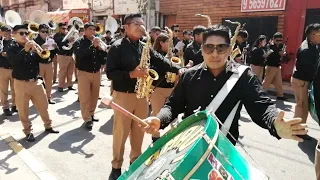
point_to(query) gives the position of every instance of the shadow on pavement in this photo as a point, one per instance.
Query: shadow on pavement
(3, 162)
(65, 141)
(70, 110)
(308, 147)
(107, 127)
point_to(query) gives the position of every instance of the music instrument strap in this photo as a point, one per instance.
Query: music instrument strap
(223, 93)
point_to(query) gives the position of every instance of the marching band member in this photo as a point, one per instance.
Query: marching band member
(65, 59)
(193, 50)
(273, 69)
(28, 86)
(6, 74)
(258, 56)
(122, 68)
(305, 69)
(154, 33)
(175, 29)
(188, 97)
(89, 61)
(241, 38)
(46, 68)
(162, 89)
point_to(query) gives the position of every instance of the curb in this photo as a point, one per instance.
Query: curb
(35, 166)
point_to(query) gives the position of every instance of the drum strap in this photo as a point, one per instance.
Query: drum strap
(223, 93)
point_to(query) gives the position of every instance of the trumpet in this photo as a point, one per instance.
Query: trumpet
(43, 53)
(103, 45)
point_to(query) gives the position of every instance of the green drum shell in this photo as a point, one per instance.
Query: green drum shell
(240, 169)
(312, 106)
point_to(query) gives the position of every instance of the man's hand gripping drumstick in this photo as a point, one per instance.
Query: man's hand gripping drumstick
(107, 101)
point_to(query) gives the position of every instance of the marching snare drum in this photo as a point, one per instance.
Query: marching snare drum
(195, 149)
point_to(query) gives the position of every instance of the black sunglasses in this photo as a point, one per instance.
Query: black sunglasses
(23, 33)
(44, 31)
(221, 48)
(278, 40)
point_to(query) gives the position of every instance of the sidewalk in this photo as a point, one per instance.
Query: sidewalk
(17, 163)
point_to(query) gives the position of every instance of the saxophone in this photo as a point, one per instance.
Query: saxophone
(236, 51)
(207, 17)
(171, 77)
(143, 85)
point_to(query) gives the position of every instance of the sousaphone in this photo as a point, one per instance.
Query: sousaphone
(111, 25)
(12, 18)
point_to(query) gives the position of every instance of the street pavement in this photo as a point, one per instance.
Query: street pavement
(76, 154)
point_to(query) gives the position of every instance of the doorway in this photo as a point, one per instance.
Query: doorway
(312, 16)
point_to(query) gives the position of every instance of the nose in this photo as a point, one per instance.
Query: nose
(214, 53)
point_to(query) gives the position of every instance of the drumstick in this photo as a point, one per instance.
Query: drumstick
(107, 101)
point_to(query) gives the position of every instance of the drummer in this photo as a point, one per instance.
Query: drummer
(188, 97)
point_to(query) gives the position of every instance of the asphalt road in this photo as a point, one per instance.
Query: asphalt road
(77, 154)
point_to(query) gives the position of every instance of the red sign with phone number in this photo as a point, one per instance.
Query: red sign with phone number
(262, 5)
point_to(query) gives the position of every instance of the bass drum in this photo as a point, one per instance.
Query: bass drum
(312, 106)
(195, 149)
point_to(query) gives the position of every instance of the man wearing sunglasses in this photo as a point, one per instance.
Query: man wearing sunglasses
(221, 86)
(65, 59)
(273, 69)
(6, 73)
(25, 64)
(175, 29)
(123, 69)
(46, 68)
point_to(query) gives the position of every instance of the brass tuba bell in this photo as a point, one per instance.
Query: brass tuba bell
(99, 28)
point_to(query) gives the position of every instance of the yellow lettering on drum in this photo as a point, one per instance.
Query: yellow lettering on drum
(190, 134)
(154, 157)
(192, 139)
(169, 144)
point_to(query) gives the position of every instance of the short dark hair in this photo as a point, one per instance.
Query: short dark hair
(87, 25)
(43, 26)
(5, 28)
(155, 28)
(186, 32)
(129, 17)
(277, 35)
(81, 29)
(198, 30)
(108, 31)
(217, 30)
(173, 26)
(312, 27)
(62, 24)
(243, 33)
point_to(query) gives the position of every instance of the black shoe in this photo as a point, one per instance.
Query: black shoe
(7, 112)
(14, 109)
(115, 174)
(281, 98)
(50, 130)
(51, 102)
(70, 88)
(93, 119)
(89, 125)
(154, 139)
(60, 89)
(30, 137)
